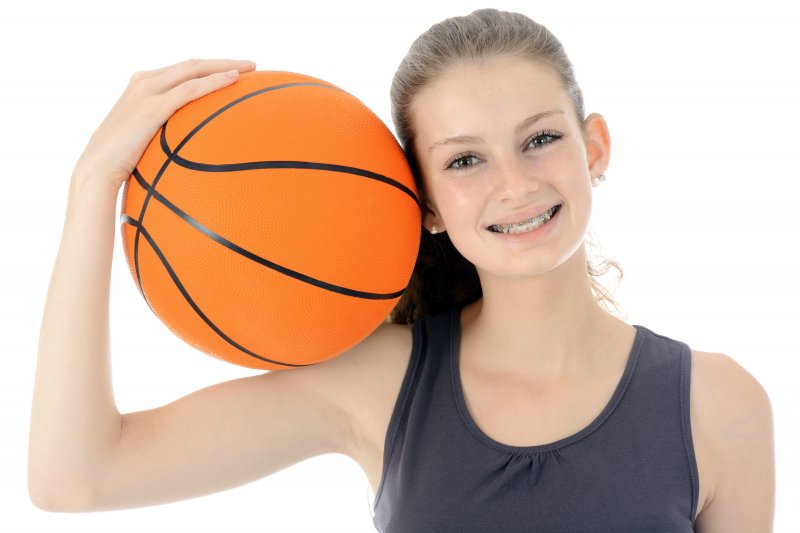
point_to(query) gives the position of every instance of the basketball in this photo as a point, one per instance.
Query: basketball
(273, 223)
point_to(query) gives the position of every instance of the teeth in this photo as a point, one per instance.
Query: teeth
(525, 225)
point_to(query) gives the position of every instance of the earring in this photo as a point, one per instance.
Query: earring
(434, 231)
(600, 179)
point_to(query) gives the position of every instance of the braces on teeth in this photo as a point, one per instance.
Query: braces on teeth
(525, 225)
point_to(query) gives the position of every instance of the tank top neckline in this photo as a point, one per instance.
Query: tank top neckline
(466, 416)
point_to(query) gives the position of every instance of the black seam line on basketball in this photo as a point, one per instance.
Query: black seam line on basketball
(171, 154)
(141, 217)
(254, 165)
(262, 261)
(128, 220)
(239, 100)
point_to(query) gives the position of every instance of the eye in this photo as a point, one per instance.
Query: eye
(462, 162)
(543, 138)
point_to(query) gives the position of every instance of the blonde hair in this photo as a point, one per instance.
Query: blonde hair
(442, 277)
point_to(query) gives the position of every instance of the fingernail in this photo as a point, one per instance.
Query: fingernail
(232, 74)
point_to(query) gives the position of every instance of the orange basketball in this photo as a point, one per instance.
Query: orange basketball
(273, 223)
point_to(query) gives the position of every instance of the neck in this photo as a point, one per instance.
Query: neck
(546, 326)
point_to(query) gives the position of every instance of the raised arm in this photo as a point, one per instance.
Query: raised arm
(85, 455)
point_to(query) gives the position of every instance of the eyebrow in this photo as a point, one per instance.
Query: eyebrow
(467, 139)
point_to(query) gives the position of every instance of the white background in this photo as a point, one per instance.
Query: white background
(700, 205)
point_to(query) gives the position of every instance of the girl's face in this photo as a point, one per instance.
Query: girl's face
(501, 150)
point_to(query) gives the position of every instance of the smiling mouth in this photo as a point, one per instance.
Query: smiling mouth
(525, 226)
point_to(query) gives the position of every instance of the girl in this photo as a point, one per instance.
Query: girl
(501, 396)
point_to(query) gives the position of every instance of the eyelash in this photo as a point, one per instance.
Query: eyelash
(555, 136)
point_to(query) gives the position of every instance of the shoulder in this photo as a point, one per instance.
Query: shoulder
(363, 383)
(726, 394)
(385, 350)
(732, 430)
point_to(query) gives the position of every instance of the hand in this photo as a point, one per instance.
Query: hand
(151, 97)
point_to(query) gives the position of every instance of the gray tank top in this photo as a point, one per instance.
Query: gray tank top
(630, 470)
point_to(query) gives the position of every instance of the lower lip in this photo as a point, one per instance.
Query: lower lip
(529, 236)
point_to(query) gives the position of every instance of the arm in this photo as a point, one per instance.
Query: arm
(223, 436)
(74, 420)
(85, 455)
(732, 416)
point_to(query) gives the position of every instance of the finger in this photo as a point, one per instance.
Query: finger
(179, 73)
(144, 75)
(188, 63)
(194, 88)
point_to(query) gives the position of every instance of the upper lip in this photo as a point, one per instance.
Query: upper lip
(522, 215)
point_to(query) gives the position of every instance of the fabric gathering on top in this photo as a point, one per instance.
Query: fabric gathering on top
(632, 469)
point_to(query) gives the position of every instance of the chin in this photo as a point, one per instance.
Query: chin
(532, 263)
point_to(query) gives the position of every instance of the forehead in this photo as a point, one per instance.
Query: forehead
(477, 95)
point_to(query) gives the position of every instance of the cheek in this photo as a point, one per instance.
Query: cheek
(464, 210)
(574, 172)
(579, 195)
(572, 182)
(454, 198)
(581, 205)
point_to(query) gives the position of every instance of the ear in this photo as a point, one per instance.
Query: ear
(430, 218)
(598, 144)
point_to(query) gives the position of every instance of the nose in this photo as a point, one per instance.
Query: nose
(513, 179)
